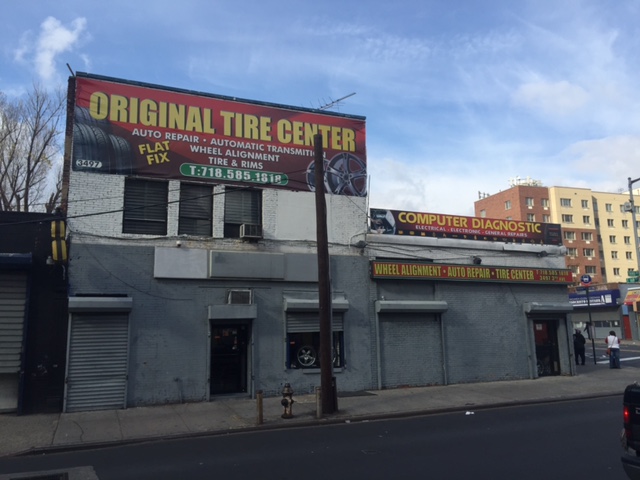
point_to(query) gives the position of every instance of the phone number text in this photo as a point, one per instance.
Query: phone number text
(233, 174)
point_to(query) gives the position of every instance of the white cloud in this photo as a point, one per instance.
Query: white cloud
(54, 38)
(558, 98)
(606, 163)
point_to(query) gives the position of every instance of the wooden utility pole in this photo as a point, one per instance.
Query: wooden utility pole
(327, 385)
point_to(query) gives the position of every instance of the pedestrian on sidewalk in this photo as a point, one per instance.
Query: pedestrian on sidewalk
(613, 348)
(578, 346)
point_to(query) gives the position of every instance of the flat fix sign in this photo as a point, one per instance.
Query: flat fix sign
(468, 273)
(128, 128)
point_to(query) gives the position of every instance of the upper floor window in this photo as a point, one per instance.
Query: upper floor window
(145, 207)
(610, 222)
(546, 218)
(572, 252)
(587, 236)
(483, 214)
(531, 217)
(241, 206)
(614, 254)
(588, 252)
(545, 202)
(629, 255)
(590, 269)
(507, 205)
(608, 207)
(625, 223)
(586, 219)
(616, 272)
(565, 202)
(196, 210)
(569, 235)
(627, 240)
(612, 239)
(567, 218)
(529, 201)
(584, 203)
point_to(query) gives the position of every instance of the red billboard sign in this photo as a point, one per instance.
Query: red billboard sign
(394, 222)
(131, 128)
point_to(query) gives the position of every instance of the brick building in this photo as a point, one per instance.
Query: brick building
(597, 228)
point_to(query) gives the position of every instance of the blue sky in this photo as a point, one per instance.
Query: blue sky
(460, 96)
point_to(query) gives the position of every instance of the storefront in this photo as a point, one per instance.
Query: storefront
(597, 312)
(442, 323)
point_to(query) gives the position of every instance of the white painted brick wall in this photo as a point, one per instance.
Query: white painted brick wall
(287, 216)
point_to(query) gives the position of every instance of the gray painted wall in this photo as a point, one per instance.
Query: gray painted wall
(169, 324)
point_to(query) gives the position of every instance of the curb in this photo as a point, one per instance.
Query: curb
(346, 419)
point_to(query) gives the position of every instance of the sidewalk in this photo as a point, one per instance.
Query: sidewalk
(55, 432)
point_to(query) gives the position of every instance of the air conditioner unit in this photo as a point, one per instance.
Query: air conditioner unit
(239, 297)
(250, 231)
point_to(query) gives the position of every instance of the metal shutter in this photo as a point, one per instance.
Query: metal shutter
(242, 206)
(145, 207)
(98, 361)
(13, 295)
(298, 322)
(196, 208)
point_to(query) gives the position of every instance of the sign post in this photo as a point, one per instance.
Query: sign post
(585, 280)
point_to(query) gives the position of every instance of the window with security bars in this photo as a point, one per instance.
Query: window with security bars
(196, 210)
(145, 207)
(241, 206)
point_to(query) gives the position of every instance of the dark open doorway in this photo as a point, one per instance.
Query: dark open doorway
(547, 355)
(228, 358)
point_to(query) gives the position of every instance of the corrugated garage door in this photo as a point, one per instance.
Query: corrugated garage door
(97, 364)
(13, 295)
(13, 299)
(310, 322)
(411, 350)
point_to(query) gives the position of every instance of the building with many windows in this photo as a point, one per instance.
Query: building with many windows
(597, 227)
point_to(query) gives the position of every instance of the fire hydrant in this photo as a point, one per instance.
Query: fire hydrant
(287, 401)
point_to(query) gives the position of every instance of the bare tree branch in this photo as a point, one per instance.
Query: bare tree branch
(30, 139)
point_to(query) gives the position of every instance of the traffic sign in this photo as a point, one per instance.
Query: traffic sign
(585, 280)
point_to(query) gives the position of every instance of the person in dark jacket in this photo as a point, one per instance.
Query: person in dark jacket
(578, 346)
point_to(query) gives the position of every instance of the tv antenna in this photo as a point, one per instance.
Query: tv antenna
(335, 103)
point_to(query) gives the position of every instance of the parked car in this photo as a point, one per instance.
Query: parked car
(631, 431)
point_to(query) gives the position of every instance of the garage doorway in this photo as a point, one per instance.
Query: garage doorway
(229, 358)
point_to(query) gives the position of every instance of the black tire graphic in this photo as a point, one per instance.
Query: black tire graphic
(83, 116)
(121, 155)
(91, 147)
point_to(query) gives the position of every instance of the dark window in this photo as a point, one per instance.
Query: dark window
(303, 340)
(241, 205)
(196, 208)
(304, 349)
(145, 207)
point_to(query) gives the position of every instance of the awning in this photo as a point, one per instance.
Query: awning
(102, 304)
(339, 303)
(411, 306)
(15, 260)
(539, 307)
(632, 297)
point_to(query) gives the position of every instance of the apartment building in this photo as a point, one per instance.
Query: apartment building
(596, 226)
